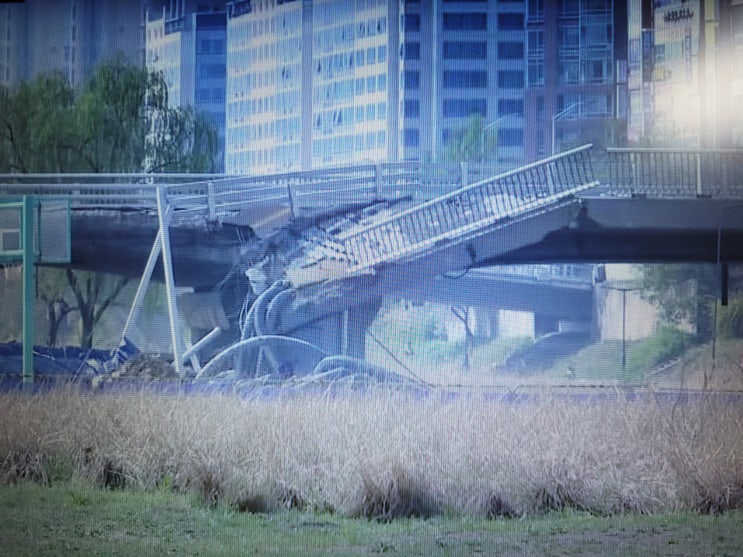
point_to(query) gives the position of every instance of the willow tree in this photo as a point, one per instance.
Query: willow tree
(119, 121)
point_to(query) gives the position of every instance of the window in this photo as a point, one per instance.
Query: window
(536, 72)
(466, 22)
(411, 109)
(510, 22)
(536, 9)
(510, 106)
(465, 79)
(465, 50)
(412, 51)
(510, 137)
(412, 22)
(382, 53)
(511, 79)
(568, 37)
(463, 108)
(511, 50)
(411, 137)
(412, 80)
(371, 55)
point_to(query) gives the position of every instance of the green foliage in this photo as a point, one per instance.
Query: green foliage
(470, 145)
(682, 292)
(119, 121)
(730, 318)
(664, 345)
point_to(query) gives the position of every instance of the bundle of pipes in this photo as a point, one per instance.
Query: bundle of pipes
(261, 343)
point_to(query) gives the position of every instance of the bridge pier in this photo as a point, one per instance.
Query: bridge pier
(342, 332)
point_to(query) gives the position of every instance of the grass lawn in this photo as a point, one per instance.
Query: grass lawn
(74, 518)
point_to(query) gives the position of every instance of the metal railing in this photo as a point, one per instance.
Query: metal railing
(571, 272)
(675, 172)
(470, 209)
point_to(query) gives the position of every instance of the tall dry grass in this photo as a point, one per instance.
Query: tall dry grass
(387, 455)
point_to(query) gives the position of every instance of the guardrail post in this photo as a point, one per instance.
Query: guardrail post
(290, 196)
(377, 182)
(699, 174)
(463, 173)
(635, 171)
(210, 201)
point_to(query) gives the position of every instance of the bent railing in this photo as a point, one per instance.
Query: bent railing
(469, 209)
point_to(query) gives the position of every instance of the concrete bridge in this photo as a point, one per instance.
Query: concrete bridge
(342, 238)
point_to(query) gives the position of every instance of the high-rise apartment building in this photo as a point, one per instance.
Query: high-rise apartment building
(462, 59)
(576, 73)
(187, 42)
(67, 36)
(686, 73)
(311, 84)
(12, 20)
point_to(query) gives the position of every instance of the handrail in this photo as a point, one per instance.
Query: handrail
(470, 208)
(675, 172)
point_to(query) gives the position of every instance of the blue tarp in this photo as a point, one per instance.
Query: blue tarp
(68, 361)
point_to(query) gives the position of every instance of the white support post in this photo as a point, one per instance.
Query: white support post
(190, 353)
(175, 332)
(144, 283)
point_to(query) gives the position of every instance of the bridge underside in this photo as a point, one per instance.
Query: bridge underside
(642, 231)
(550, 298)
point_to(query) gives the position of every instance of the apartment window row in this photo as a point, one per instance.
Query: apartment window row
(465, 50)
(510, 137)
(211, 46)
(411, 23)
(463, 79)
(283, 156)
(285, 103)
(371, 84)
(508, 107)
(329, 39)
(330, 93)
(510, 22)
(282, 103)
(329, 120)
(571, 71)
(464, 108)
(344, 144)
(412, 51)
(212, 71)
(411, 108)
(511, 79)
(411, 137)
(411, 80)
(511, 50)
(474, 21)
(281, 130)
(371, 55)
(207, 94)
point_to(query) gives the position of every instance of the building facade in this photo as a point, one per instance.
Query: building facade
(576, 74)
(685, 73)
(187, 42)
(311, 84)
(68, 36)
(463, 60)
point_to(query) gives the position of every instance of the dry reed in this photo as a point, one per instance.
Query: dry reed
(386, 455)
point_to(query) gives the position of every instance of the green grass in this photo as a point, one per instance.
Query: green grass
(74, 518)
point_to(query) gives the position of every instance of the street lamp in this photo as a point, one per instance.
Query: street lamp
(557, 115)
(624, 290)
(490, 126)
